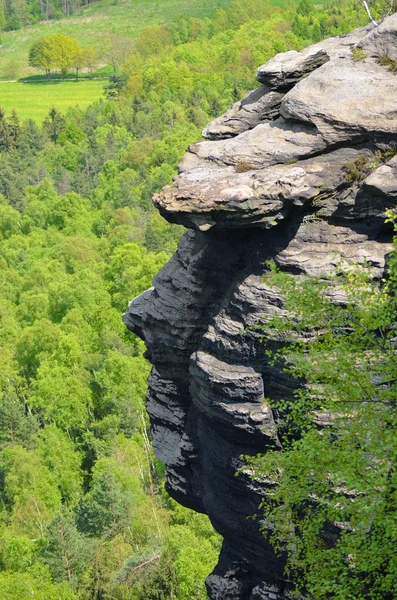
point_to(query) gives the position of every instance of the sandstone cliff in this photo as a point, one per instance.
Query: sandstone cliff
(296, 172)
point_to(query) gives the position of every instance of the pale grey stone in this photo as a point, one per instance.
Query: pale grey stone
(346, 100)
(384, 180)
(265, 145)
(258, 106)
(223, 199)
(286, 69)
(382, 40)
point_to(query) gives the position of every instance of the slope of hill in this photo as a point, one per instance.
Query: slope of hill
(95, 24)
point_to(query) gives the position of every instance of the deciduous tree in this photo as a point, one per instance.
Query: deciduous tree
(333, 506)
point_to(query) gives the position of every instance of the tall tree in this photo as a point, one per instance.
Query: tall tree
(65, 550)
(54, 124)
(17, 424)
(78, 60)
(107, 509)
(39, 57)
(90, 59)
(62, 50)
(117, 49)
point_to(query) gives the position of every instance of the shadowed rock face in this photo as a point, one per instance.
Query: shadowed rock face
(245, 205)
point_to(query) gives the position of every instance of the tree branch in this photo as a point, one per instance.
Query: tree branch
(365, 5)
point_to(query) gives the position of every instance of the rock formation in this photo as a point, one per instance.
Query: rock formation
(298, 173)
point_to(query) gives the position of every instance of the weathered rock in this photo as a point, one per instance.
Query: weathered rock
(382, 40)
(267, 144)
(222, 199)
(212, 378)
(258, 106)
(340, 46)
(383, 180)
(207, 393)
(285, 70)
(347, 101)
(278, 75)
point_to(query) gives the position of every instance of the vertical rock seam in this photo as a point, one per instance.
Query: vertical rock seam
(276, 180)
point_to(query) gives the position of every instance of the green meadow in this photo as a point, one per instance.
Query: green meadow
(96, 22)
(35, 100)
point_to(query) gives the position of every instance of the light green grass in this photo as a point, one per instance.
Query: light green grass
(35, 100)
(94, 23)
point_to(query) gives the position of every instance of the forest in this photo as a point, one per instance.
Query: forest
(83, 511)
(15, 14)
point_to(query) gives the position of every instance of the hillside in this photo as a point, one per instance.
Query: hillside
(95, 23)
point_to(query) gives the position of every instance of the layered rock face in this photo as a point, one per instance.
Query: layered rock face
(300, 173)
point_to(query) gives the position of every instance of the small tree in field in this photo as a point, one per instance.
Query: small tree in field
(39, 57)
(90, 59)
(78, 60)
(62, 51)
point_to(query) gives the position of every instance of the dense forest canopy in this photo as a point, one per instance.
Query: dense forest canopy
(83, 513)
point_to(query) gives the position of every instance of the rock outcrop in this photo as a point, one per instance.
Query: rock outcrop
(300, 172)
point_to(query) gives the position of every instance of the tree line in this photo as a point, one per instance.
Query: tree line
(15, 14)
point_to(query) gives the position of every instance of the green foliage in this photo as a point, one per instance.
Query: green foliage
(36, 582)
(57, 51)
(107, 508)
(199, 541)
(65, 550)
(305, 8)
(83, 512)
(62, 458)
(39, 57)
(153, 40)
(357, 170)
(54, 124)
(386, 61)
(117, 82)
(17, 552)
(333, 503)
(9, 131)
(30, 490)
(16, 424)
(359, 54)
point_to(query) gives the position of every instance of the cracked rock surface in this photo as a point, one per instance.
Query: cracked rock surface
(303, 178)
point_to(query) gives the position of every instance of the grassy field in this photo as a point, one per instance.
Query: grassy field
(94, 23)
(92, 26)
(34, 100)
